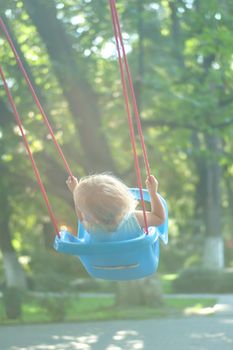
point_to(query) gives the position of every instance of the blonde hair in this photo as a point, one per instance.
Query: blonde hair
(103, 200)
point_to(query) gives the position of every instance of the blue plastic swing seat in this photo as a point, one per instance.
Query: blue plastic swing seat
(117, 260)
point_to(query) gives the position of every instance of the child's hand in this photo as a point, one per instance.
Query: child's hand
(152, 184)
(72, 183)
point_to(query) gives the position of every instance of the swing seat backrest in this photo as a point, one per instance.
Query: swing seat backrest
(116, 260)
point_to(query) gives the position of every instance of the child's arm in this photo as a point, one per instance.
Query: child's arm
(157, 214)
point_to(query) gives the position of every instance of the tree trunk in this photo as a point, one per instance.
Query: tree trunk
(201, 187)
(213, 256)
(14, 274)
(177, 40)
(214, 247)
(80, 96)
(229, 188)
(208, 201)
(145, 292)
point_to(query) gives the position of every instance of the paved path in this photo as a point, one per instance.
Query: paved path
(213, 332)
(192, 333)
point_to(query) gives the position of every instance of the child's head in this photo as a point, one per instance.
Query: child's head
(103, 201)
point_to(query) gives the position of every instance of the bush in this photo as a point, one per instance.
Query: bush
(55, 308)
(200, 280)
(180, 253)
(225, 282)
(54, 272)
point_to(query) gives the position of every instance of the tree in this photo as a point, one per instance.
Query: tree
(82, 100)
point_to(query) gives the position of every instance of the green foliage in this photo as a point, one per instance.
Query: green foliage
(55, 308)
(180, 253)
(55, 272)
(199, 280)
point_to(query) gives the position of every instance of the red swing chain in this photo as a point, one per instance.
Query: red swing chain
(119, 42)
(135, 107)
(19, 123)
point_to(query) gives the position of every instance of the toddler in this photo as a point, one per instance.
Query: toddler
(105, 205)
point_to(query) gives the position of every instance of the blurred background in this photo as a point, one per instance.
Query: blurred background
(180, 54)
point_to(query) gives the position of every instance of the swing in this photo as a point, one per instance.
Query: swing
(112, 260)
(117, 260)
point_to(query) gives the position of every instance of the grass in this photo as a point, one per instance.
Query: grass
(76, 309)
(72, 309)
(183, 304)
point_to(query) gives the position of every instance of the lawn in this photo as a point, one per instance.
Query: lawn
(75, 308)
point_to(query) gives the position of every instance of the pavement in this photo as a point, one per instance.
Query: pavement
(223, 307)
(212, 330)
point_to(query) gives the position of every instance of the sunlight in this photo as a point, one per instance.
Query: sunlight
(123, 334)
(155, 6)
(7, 157)
(135, 344)
(32, 56)
(83, 29)
(189, 3)
(109, 50)
(79, 19)
(125, 339)
(87, 52)
(216, 65)
(65, 343)
(31, 114)
(36, 145)
(218, 16)
(98, 40)
(60, 6)
(181, 10)
(18, 132)
(24, 259)
(199, 310)
(10, 82)
(9, 13)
